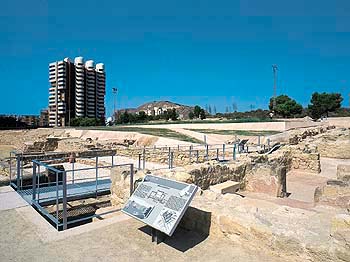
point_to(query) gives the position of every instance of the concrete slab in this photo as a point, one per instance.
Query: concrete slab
(230, 187)
(9, 199)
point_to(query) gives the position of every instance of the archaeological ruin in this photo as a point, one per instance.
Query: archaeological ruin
(287, 194)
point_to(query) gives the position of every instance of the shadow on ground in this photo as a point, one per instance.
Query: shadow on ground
(193, 229)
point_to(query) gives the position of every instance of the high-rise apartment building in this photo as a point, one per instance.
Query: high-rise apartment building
(77, 90)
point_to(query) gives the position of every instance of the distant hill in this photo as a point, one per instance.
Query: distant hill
(159, 107)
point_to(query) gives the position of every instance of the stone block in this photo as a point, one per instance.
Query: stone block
(335, 193)
(343, 173)
(228, 187)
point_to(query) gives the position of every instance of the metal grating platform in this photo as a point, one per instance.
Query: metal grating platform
(48, 194)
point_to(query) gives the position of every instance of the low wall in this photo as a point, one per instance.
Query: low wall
(300, 234)
(339, 121)
(182, 157)
(257, 126)
(281, 125)
(302, 124)
(336, 192)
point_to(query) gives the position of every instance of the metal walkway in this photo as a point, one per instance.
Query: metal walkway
(47, 195)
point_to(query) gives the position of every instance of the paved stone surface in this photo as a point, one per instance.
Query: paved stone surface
(9, 199)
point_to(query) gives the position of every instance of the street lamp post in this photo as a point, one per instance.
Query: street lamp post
(114, 90)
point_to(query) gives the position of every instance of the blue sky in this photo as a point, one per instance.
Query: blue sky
(192, 52)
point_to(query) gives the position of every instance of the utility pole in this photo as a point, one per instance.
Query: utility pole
(114, 90)
(274, 69)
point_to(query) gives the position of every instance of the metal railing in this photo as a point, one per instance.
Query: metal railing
(193, 153)
(66, 187)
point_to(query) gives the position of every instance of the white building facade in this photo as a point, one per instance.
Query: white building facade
(77, 90)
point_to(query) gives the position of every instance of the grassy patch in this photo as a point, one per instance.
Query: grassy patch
(161, 132)
(206, 121)
(236, 132)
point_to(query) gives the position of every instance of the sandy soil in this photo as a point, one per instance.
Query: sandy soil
(116, 239)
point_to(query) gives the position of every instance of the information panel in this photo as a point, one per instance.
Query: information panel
(160, 203)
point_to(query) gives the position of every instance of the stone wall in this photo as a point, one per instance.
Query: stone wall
(182, 156)
(336, 192)
(255, 172)
(120, 185)
(303, 235)
(343, 173)
(334, 143)
(209, 173)
(262, 173)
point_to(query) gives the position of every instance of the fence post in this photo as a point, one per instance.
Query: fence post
(131, 178)
(223, 151)
(207, 152)
(57, 204)
(197, 153)
(172, 160)
(139, 167)
(96, 174)
(64, 199)
(10, 167)
(22, 171)
(18, 158)
(217, 154)
(38, 175)
(234, 152)
(144, 159)
(268, 144)
(169, 156)
(190, 154)
(112, 160)
(34, 181)
(259, 140)
(73, 172)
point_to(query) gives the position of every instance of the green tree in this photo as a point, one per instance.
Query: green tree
(191, 115)
(324, 103)
(202, 114)
(87, 121)
(124, 117)
(286, 106)
(197, 111)
(142, 117)
(173, 114)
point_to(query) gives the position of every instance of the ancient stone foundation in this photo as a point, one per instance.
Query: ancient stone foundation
(263, 224)
(336, 192)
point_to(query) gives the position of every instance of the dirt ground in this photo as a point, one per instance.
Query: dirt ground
(123, 240)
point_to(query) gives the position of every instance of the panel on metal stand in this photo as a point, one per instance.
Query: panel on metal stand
(160, 202)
